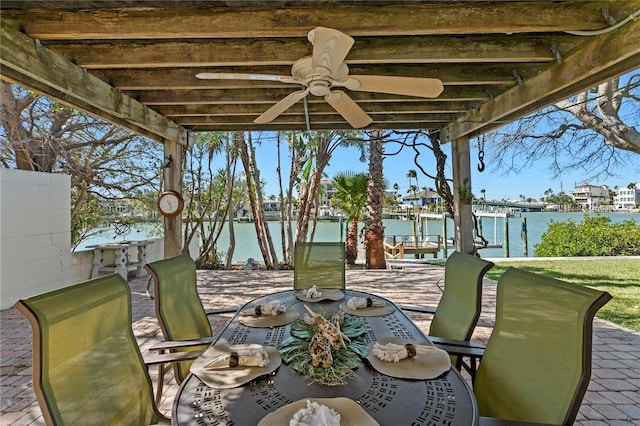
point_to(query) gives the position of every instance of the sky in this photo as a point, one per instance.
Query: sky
(531, 182)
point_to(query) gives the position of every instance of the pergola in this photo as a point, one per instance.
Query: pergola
(134, 63)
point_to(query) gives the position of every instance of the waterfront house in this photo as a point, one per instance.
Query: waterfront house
(590, 196)
(627, 198)
(424, 198)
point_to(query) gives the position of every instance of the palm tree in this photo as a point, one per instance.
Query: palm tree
(374, 234)
(412, 174)
(396, 188)
(351, 198)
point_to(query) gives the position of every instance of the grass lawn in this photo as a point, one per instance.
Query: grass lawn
(618, 276)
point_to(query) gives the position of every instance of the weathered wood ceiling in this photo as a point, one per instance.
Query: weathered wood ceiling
(134, 62)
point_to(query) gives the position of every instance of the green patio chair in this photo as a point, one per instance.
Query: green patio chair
(179, 310)
(459, 308)
(87, 367)
(320, 264)
(537, 363)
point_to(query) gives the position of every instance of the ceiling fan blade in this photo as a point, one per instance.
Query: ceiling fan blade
(280, 107)
(236, 76)
(409, 86)
(330, 47)
(348, 109)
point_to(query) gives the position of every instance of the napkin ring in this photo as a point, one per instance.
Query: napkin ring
(411, 350)
(369, 302)
(258, 310)
(234, 359)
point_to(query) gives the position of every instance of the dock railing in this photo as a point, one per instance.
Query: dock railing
(396, 246)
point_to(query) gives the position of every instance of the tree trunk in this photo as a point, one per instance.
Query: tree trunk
(374, 231)
(230, 175)
(351, 245)
(264, 224)
(257, 218)
(36, 152)
(283, 206)
(608, 124)
(305, 213)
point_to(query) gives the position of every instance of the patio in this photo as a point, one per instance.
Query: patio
(613, 396)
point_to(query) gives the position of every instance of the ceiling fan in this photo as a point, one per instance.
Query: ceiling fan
(325, 70)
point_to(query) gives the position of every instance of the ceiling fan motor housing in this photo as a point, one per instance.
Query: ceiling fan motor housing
(319, 87)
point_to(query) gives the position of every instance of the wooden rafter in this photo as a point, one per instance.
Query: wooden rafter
(600, 59)
(24, 60)
(148, 54)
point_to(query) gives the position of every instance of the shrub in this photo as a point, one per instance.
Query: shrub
(595, 236)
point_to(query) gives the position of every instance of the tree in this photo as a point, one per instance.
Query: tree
(412, 174)
(351, 198)
(106, 164)
(318, 147)
(594, 131)
(374, 231)
(254, 189)
(231, 156)
(211, 198)
(420, 141)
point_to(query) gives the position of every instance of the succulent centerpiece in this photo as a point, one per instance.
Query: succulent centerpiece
(325, 346)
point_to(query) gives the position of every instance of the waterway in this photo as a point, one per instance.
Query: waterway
(492, 230)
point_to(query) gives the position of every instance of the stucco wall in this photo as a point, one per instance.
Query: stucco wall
(35, 233)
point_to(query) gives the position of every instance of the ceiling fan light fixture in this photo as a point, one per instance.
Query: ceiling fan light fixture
(319, 87)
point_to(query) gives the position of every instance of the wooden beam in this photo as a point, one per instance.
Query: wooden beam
(165, 97)
(325, 119)
(25, 61)
(173, 181)
(185, 78)
(250, 126)
(596, 60)
(231, 22)
(226, 110)
(384, 50)
(462, 195)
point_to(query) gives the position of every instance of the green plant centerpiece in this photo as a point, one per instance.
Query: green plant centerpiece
(325, 347)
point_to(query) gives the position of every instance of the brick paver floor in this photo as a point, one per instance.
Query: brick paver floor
(613, 397)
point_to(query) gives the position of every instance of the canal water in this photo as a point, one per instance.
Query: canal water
(492, 230)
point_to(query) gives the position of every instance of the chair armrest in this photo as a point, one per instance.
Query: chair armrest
(461, 350)
(413, 308)
(176, 344)
(171, 357)
(490, 421)
(452, 342)
(221, 311)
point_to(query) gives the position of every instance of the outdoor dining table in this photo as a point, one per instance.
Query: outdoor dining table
(446, 399)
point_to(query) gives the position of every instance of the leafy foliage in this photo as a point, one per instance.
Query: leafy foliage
(295, 351)
(351, 197)
(595, 236)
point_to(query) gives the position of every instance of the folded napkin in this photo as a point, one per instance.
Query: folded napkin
(315, 414)
(273, 308)
(392, 352)
(363, 302)
(312, 293)
(247, 358)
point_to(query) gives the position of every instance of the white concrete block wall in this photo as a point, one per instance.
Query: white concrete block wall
(35, 234)
(35, 237)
